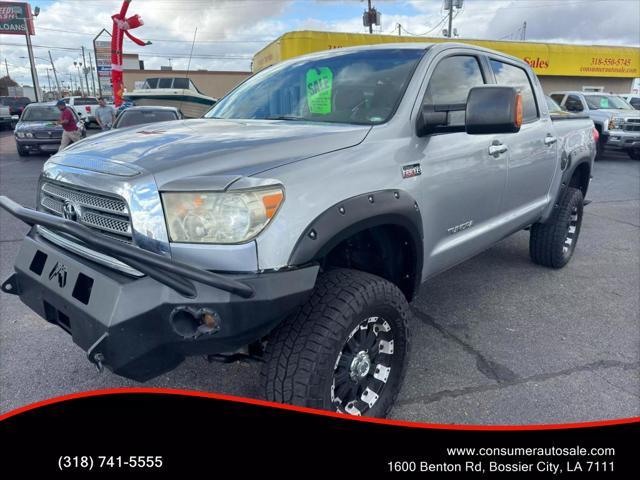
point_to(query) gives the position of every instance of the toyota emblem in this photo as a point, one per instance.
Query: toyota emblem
(69, 211)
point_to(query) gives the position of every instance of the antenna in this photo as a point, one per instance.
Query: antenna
(195, 32)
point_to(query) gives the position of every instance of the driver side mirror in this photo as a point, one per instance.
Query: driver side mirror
(430, 120)
(493, 109)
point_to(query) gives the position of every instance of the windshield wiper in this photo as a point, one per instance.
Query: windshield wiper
(284, 117)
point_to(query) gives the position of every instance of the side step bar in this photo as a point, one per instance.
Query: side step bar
(174, 274)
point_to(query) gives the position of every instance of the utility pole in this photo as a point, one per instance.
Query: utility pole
(49, 80)
(55, 75)
(93, 82)
(85, 70)
(450, 5)
(524, 31)
(6, 65)
(399, 30)
(370, 17)
(32, 61)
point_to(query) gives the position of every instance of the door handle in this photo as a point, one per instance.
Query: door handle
(549, 140)
(497, 148)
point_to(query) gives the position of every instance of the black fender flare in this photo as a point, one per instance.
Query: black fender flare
(356, 214)
(573, 163)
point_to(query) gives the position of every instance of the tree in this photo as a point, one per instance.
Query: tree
(5, 83)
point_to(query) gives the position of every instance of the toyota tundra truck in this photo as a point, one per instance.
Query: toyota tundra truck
(296, 221)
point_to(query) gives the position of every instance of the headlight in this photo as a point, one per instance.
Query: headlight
(20, 134)
(225, 217)
(28, 134)
(616, 123)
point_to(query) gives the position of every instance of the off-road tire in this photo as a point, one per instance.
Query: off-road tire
(634, 153)
(548, 241)
(302, 353)
(599, 150)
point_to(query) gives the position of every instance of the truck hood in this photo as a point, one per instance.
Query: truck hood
(37, 125)
(620, 113)
(178, 149)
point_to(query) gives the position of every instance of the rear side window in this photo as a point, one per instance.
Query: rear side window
(449, 86)
(182, 83)
(635, 102)
(517, 77)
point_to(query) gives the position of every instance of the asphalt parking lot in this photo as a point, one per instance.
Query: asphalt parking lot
(496, 340)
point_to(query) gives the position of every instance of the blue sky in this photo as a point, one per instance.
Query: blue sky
(230, 32)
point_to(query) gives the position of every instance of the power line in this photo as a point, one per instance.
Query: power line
(149, 53)
(159, 39)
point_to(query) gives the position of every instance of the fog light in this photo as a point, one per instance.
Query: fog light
(189, 322)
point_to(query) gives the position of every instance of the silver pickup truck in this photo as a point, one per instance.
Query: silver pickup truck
(296, 221)
(617, 122)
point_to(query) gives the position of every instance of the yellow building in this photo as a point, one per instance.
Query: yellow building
(559, 66)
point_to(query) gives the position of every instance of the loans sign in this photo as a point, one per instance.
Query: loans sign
(12, 18)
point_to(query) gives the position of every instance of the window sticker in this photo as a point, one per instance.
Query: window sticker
(604, 102)
(319, 87)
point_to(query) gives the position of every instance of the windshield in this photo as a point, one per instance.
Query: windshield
(129, 118)
(41, 114)
(553, 106)
(606, 101)
(360, 87)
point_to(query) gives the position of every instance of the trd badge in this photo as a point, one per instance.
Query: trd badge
(59, 271)
(409, 171)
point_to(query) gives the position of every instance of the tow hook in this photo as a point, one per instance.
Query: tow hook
(97, 358)
(11, 286)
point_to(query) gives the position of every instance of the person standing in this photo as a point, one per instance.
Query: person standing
(70, 133)
(105, 115)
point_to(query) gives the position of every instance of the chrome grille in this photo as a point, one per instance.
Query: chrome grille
(106, 214)
(92, 200)
(48, 134)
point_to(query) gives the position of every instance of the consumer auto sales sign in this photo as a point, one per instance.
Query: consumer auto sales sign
(12, 15)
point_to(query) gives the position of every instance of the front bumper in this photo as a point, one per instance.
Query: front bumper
(39, 145)
(622, 139)
(141, 327)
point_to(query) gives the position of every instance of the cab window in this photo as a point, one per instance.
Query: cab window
(511, 75)
(449, 86)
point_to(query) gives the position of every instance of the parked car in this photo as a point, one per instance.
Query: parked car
(37, 131)
(298, 218)
(618, 123)
(633, 99)
(6, 119)
(16, 104)
(142, 115)
(85, 107)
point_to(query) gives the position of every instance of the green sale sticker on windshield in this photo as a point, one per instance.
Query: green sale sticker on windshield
(319, 86)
